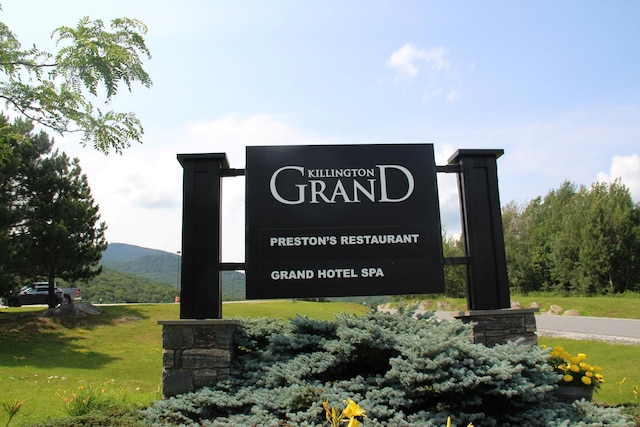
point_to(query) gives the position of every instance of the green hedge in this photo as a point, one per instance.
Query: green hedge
(404, 371)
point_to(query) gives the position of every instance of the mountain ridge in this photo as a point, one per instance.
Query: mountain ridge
(163, 267)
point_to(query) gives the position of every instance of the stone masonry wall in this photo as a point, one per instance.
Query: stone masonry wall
(196, 353)
(493, 327)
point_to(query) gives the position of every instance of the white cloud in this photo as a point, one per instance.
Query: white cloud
(408, 61)
(439, 77)
(627, 168)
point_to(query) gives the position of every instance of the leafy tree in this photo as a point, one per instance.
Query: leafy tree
(610, 249)
(582, 241)
(60, 235)
(60, 90)
(516, 236)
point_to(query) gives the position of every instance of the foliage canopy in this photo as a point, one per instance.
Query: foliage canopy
(60, 90)
(582, 240)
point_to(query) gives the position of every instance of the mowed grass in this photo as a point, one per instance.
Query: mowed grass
(42, 361)
(621, 307)
(618, 363)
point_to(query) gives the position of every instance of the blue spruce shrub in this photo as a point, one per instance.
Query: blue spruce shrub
(404, 370)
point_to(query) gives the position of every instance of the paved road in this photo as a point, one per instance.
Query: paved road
(581, 327)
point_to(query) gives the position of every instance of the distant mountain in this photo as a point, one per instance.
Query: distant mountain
(123, 253)
(163, 267)
(153, 264)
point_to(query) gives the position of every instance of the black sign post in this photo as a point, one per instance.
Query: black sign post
(487, 281)
(201, 295)
(342, 221)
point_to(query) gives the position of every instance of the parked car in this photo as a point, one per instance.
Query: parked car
(74, 294)
(38, 293)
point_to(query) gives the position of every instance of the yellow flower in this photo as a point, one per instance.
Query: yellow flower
(349, 414)
(582, 356)
(586, 380)
(588, 374)
(567, 378)
(574, 368)
(352, 410)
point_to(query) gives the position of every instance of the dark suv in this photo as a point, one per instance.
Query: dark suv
(37, 293)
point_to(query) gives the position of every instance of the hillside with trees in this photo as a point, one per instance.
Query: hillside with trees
(113, 286)
(163, 268)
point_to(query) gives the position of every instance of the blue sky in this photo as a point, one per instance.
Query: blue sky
(553, 83)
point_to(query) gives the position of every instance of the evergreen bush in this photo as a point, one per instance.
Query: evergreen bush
(404, 370)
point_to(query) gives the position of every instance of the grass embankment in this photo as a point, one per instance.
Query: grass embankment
(620, 307)
(44, 361)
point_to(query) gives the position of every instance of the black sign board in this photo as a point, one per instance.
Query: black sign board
(342, 220)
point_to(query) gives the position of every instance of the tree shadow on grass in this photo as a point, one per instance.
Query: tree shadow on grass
(28, 339)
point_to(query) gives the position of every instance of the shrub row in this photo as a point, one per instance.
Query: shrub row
(402, 369)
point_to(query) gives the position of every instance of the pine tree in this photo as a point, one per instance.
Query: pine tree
(61, 235)
(23, 150)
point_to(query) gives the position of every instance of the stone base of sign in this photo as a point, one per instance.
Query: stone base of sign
(491, 327)
(196, 353)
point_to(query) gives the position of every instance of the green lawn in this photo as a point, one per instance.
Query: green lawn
(42, 361)
(617, 361)
(623, 307)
